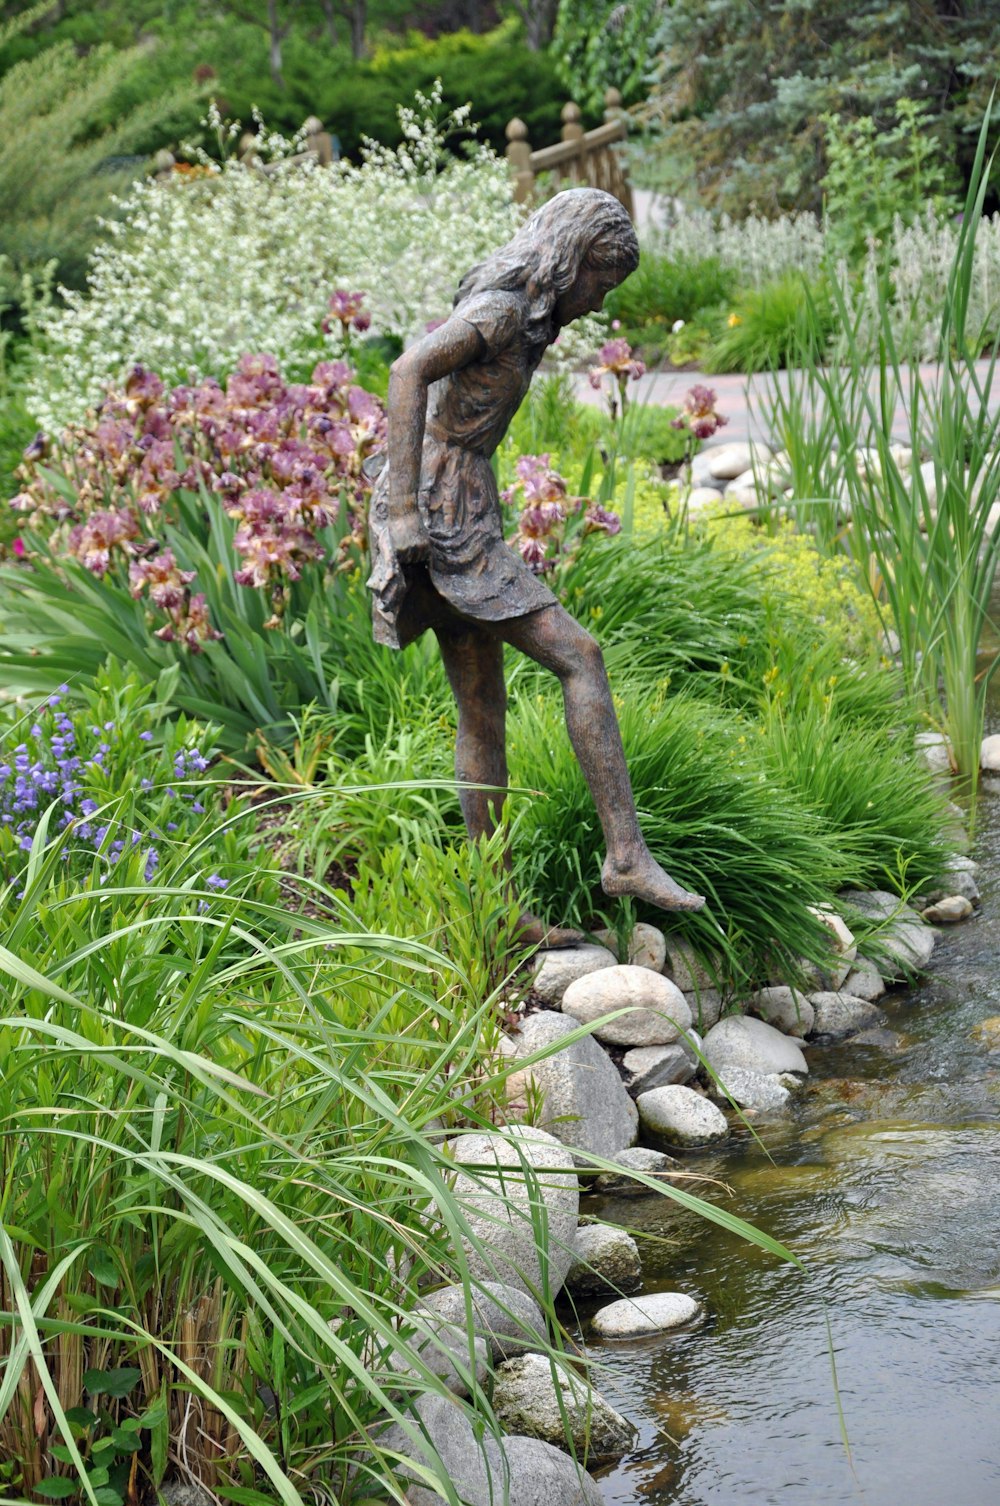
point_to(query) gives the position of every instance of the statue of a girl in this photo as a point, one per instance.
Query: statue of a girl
(439, 556)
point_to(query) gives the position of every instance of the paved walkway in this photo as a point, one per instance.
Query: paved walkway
(743, 399)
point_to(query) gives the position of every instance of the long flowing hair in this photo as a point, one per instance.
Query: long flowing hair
(581, 226)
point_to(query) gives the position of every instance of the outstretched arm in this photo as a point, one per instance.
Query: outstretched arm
(445, 350)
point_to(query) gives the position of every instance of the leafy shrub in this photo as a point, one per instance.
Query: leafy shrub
(163, 290)
(765, 328)
(666, 287)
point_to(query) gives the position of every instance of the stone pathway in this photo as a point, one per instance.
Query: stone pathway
(743, 399)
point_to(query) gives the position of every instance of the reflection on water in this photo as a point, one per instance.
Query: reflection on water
(887, 1184)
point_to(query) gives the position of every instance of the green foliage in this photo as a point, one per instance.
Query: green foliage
(57, 172)
(905, 161)
(600, 45)
(740, 89)
(664, 289)
(764, 327)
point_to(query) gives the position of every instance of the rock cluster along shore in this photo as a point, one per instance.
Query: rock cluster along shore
(634, 1048)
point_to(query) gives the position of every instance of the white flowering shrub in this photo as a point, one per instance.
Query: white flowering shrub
(923, 255)
(759, 251)
(205, 265)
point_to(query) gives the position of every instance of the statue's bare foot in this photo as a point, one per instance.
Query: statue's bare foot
(643, 878)
(534, 932)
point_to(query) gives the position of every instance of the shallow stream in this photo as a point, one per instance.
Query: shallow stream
(886, 1183)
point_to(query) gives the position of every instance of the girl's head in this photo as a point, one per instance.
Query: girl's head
(565, 258)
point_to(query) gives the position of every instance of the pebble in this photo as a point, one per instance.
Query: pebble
(636, 1317)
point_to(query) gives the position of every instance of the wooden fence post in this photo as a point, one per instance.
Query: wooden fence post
(518, 154)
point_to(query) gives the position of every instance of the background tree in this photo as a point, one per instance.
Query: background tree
(604, 44)
(740, 90)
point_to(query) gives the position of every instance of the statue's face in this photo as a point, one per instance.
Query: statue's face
(587, 294)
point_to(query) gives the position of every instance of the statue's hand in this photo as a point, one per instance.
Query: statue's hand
(409, 538)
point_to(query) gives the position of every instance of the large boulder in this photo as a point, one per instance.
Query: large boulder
(646, 946)
(528, 1398)
(504, 1316)
(584, 1102)
(556, 970)
(904, 943)
(681, 1118)
(520, 1472)
(739, 1041)
(657, 1011)
(637, 1317)
(607, 1259)
(508, 1184)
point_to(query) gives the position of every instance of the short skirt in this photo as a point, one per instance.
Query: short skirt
(469, 567)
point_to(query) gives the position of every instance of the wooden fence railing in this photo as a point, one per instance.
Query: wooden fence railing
(588, 158)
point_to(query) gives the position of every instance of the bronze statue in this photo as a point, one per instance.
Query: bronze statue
(439, 559)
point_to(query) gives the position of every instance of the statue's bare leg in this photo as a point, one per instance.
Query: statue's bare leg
(556, 641)
(473, 661)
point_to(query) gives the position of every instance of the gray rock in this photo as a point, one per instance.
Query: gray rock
(561, 967)
(646, 946)
(839, 1015)
(521, 1472)
(904, 943)
(884, 1040)
(657, 1010)
(705, 1005)
(508, 1319)
(756, 1091)
(685, 967)
(584, 1101)
(989, 754)
(948, 911)
(864, 981)
(650, 1067)
(636, 1317)
(529, 1398)
(784, 1008)
(500, 1180)
(681, 1117)
(961, 872)
(651, 1163)
(444, 1351)
(729, 461)
(739, 1041)
(935, 750)
(607, 1259)
(700, 497)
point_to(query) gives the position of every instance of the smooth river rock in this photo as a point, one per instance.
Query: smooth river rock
(504, 1316)
(682, 1118)
(585, 1104)
(646, 946)
(740, 1041)
(864, 981)
(500, 1179)
(785, 1008)
(839, 1015)
(685, 967)
(528, 1398)
(762, 1093)
(522, 1472)
(948, 911)
(444, 1351)
(657, 1010)
(728, 461)
(559, 968)
(705, 1005)
(637, 1317)
(904, 943)
(607, 1259)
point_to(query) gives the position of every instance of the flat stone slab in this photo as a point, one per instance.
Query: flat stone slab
(585, 1104)
(681, 1118)
(651, 1163)
(557, 969)
(739, 1041)
(657, 1011)
(839, 1015)
(607, 1260)
(529, 1398)
(638, 1317)
(648, 1067)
